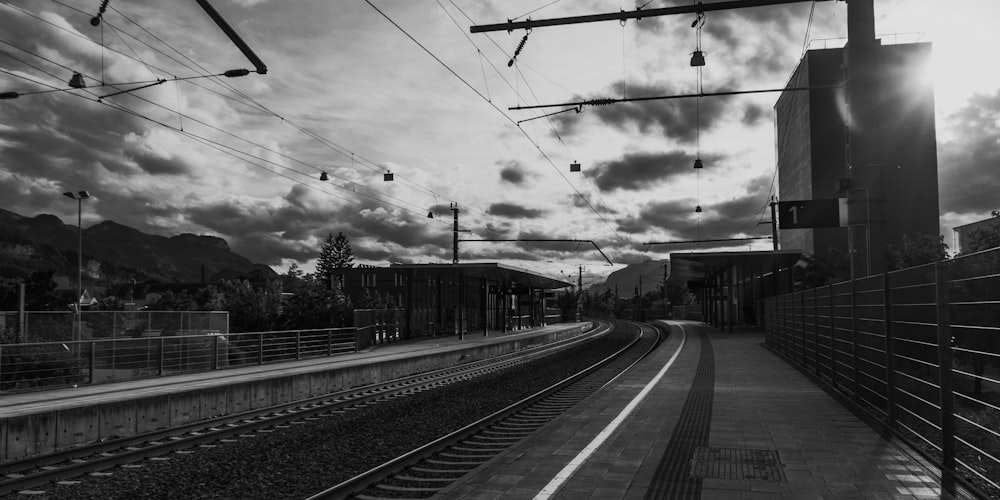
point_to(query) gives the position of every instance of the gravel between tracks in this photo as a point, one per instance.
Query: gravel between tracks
(300, 460)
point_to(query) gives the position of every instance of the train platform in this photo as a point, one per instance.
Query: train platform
(42, 422)
(16, 404)
(711, 415)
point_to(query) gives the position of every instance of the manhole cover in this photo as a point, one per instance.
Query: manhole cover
(737, 463)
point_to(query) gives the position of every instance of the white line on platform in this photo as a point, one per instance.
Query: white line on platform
(570, 468)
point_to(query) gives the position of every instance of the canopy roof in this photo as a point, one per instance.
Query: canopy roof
(751, 262)
(485, 270)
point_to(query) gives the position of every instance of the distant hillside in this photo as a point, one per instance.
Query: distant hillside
(114, 252)
(652, 277)
(628, 279)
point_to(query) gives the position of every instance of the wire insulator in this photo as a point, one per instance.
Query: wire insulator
(96, 20)
(517, 52)
(601, 102)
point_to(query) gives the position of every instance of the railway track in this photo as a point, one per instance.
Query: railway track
(427, 470)
(69, 464)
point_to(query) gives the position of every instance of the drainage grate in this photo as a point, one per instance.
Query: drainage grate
(737, 463)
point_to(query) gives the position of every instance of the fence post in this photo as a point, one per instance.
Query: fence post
(816, 330)
(890, 353)
(854, 340)
(833, 340)
(945, 357)
(329, 343)
(215, 352)
(163, 344)
(93, 359)
(298, 344)
(260, 348)
(802, 323)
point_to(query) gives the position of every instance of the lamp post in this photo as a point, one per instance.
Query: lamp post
(79, 196)
(868, 219)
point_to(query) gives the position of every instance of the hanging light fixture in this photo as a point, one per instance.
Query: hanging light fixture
(77, 81)
(387, 176)
(574, 167)
(697, 58)
(698, 163)
(324, 177)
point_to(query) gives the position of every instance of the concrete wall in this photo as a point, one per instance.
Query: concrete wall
(27, 436)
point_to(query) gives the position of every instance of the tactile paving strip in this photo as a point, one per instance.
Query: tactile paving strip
(737, 463)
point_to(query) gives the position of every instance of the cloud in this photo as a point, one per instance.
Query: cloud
(581, 201)
(968, 163)
(753, 114)
(725, 219)
(674, 118)
(637, 171)
(514, 211)
(513, 172)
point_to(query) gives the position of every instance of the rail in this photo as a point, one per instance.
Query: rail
(917, 349)
(62, 364)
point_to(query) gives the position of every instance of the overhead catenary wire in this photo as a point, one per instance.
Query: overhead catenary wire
(216, 144)
(480, 94)
(225, 148)
(552, 128)
(247, 100)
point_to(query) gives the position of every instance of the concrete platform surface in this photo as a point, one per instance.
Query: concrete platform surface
(728, 420)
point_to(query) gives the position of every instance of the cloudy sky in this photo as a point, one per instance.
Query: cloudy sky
(356, 89)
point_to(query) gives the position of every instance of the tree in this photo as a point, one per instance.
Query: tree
(336, 253)
(915, 250)
(293, 279)
(984, 238)
(316, 306)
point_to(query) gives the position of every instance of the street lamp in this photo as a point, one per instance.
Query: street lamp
(79, 196)
(845, 188)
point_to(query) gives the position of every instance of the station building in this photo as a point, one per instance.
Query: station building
(895, 195)
(451, 299)
(963, 234)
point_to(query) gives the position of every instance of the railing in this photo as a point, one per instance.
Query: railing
(61, 326)
(61, 364)
(918, 349)
(379, 326)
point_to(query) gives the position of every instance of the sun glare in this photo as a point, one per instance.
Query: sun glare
(963, 41)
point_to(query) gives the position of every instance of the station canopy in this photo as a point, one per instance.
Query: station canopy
(749, 262)
(491, 271)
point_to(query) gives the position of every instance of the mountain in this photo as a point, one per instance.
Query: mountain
(651, 271)
(115, 252)
(627, 279)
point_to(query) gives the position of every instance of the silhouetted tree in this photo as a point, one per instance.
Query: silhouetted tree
(316, 306)
(336, 253)
(915, 250)
(984, 238)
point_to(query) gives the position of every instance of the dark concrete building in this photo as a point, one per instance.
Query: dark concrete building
(894, 191)
(447, 299)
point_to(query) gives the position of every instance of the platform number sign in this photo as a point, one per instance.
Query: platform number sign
(803, 214)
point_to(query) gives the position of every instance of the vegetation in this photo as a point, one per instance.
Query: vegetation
(915, 250)
(335, 254)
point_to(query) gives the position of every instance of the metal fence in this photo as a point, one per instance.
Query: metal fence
(379, 326)
(60, 326)
(62, 364)
(918, 349)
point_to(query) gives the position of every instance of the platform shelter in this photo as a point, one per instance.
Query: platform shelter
(733, 285)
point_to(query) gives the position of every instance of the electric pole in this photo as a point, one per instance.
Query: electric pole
(454, 241)
(774, 223)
